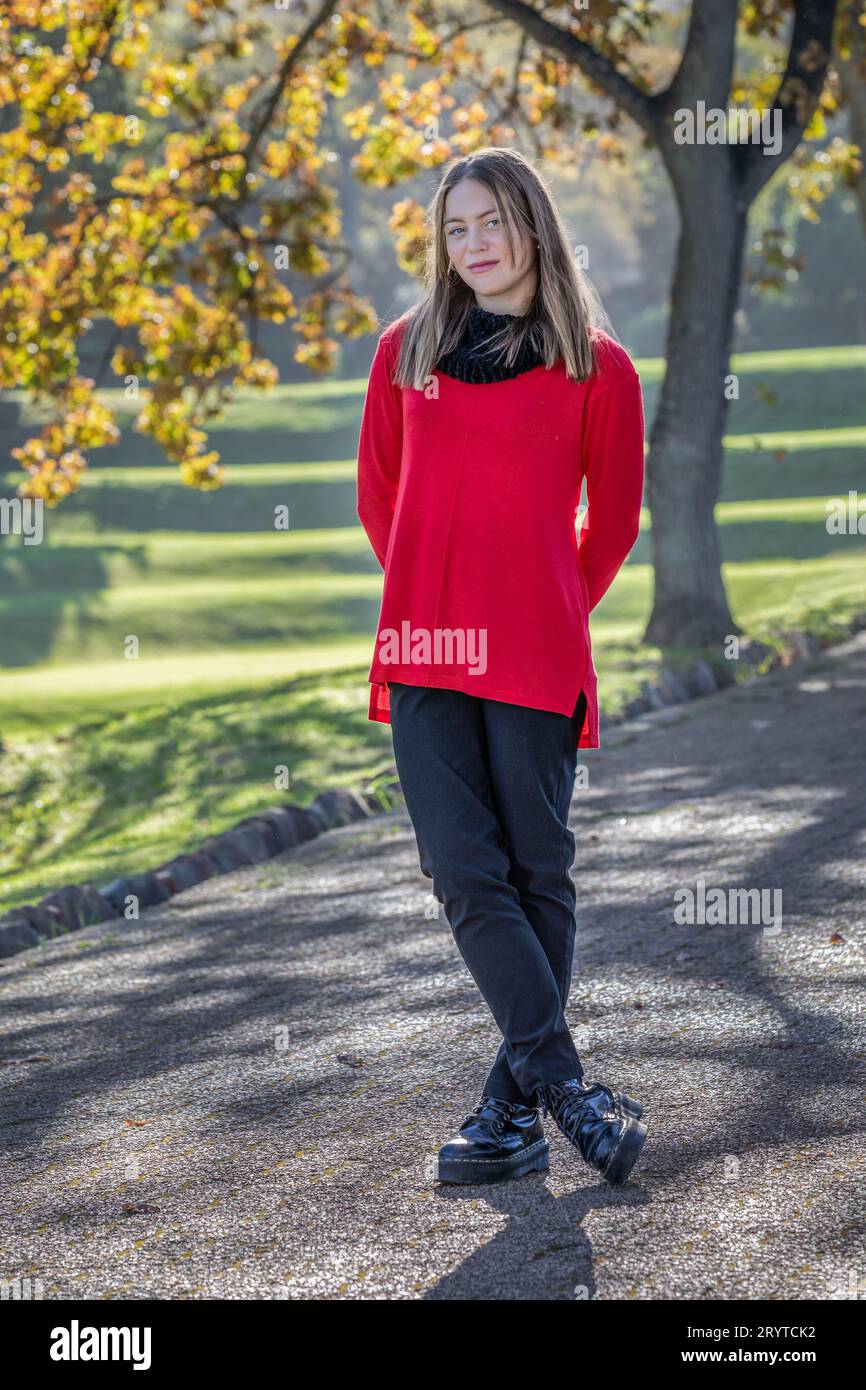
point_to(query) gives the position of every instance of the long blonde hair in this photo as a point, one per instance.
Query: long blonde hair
(565, 306)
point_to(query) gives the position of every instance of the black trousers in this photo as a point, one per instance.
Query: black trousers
(488, 787)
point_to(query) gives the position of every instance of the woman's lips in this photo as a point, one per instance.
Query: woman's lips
(482, 266)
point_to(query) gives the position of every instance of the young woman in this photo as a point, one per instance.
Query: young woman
(488, 404)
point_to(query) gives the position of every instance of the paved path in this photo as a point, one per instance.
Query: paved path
(240, 1095)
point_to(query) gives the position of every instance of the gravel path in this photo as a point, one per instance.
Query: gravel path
(240, 1095)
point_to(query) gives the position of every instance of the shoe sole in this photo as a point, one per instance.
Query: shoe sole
(626, 1153)
(476, 1170)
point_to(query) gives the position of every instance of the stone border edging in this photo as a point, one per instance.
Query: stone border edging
(252, 840)
(268, 833)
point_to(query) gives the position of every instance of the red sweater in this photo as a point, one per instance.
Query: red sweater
(469, 494)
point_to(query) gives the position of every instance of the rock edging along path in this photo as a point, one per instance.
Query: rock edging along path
(270, 832)
(253, 839)
(240, 1097)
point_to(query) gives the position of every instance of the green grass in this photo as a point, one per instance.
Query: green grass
(128, 790)
(46, 698)
(254, 644)
(254, 475)
(144, 773)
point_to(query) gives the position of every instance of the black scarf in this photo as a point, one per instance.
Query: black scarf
(471, 362)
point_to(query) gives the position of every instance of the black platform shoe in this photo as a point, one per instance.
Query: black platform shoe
(603, 1125)
(499, 1140)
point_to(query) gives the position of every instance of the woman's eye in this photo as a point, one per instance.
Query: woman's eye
(455, 229)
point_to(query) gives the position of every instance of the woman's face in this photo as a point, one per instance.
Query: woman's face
(476, 242)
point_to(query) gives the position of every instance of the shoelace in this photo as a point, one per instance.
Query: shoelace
(504, 1110)
(571, 1106)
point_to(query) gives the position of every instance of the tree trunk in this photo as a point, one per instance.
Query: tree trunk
(684, 468)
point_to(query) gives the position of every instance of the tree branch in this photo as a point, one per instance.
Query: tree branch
(641, 106)
(324, 12)
(707, 62)
(797, 94)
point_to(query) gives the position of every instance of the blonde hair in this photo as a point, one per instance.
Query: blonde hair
(565, 307)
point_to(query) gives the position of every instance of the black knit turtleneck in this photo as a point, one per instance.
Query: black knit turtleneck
(473, 362)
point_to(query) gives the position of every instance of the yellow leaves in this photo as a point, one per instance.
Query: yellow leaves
(308, 259)
(394, 152)
(358, 120)
(197, 11)
(54, 461)
(170, 418)
(817, 127)
(610, 145)
(355, 318)
(393, 93)
(236, 93)
(49, 479)
(778, 262)
(298, 123)
(165, 84)
(16, 193)
(78, 192)
(341, 310)
(143, 202)
(407, 138)
(473, 115)
(423, 39)
(258, 372)
(230, 273)
(130, 49)
(318, 354)
(278, 160)
(815, 174)
(46, 88)
(202, 471)
(408, 222)
(96, 135)
(336, 80)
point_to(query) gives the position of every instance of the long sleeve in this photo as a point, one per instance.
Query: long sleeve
(380, 448)
(613, 462)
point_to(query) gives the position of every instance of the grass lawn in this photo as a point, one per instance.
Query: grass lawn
(254, 644)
